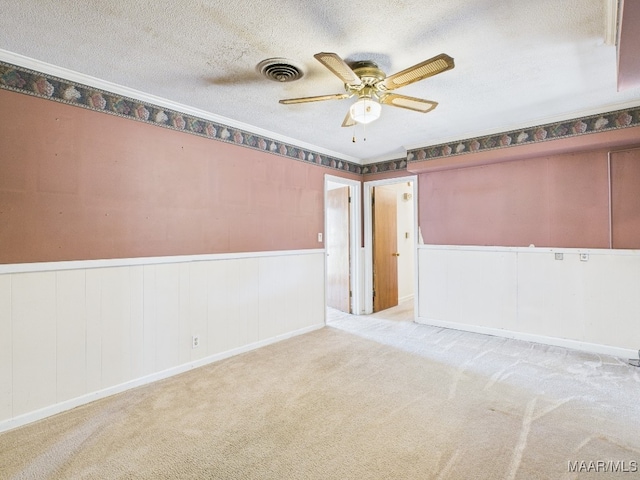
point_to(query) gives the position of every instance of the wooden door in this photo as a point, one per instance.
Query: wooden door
(385, 248)
(337, 245)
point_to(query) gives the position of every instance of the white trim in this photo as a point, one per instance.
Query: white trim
(368, 236)
(77, 77)
(406, 298)
(481, 248)
(354, 237)
(84, 399)
(126, 262)
(530, 337)
(611, 23)
(610, 199)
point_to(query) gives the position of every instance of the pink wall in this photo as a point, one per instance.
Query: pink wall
(76, 184)
(625, 198)
(550, 201)
(369, 177)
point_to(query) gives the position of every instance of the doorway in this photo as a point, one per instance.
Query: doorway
(342, 244)
(391, 240)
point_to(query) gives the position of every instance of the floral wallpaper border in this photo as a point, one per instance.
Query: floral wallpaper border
(386, 166)
(23, 80)
(30, 82)
(625, 118)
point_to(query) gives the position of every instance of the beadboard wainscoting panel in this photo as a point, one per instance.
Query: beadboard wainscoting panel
(272, 297)
(309, 295)
(115, 308)
(551, 294)
(94, 329)
(71, 335)
(137, 320)
(233, 304)
(33, 315)
(198, 303)
(612, 301)
(468, 288)
(166, 299)
(587, 299)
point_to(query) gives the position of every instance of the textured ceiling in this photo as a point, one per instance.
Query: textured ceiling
(518, 63)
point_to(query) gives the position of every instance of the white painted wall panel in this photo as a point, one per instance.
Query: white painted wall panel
(612, 300)
(468, 288)
(552, 294)
(198, 304)
(33, 307)
(527, 293)
(433, 284)
(71, 335)
(290, 279)
(310, 295)
(223, 282)
(6, 349)
(167, 316)
(249, 299)
(233, 301)
(184, 329)
(116, 326)
(93, 305)
(136, 288)
(271, 286)
(149, 324)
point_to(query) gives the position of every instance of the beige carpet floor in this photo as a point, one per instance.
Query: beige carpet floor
(364, 398)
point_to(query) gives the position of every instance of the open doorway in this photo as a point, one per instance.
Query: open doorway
(342, 244)
(391, 239)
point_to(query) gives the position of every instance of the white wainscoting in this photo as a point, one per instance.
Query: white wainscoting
(72, 332)
(526, 293)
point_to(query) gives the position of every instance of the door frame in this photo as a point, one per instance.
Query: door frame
(354, 239)
(368, 236)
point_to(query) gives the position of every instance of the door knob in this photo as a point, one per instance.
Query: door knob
(395, 254)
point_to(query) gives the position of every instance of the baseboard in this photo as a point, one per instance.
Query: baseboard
(532, 337)
(45, 412)
(406, 298)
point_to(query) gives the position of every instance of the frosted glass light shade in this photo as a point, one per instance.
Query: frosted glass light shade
(365, 110)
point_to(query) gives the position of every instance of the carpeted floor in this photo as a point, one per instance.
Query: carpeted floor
(364, 398)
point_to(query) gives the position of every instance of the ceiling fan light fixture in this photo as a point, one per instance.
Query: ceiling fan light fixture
(365, 110)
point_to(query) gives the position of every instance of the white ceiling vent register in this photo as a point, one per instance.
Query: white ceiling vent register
(280, 69)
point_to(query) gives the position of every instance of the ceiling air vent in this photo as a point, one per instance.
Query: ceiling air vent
(280, 69)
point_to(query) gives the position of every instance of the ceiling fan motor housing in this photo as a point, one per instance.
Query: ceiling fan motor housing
(370, 75)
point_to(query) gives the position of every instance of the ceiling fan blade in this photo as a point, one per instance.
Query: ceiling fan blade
(411, 103)
(319, 98)
(339, 68)
(348, 121)
(428, 68)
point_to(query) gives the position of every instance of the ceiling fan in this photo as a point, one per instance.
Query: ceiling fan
(373, 88)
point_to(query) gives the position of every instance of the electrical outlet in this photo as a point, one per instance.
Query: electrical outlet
(195, 341)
